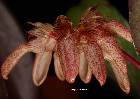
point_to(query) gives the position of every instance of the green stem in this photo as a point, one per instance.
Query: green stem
(131, 59)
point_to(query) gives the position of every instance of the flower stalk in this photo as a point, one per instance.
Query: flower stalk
(130, 59)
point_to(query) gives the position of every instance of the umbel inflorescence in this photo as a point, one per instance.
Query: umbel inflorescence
(76, 51)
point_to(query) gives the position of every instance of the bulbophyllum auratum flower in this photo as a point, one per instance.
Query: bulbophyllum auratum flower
(76, 50)
(48, 39)
(97, 40)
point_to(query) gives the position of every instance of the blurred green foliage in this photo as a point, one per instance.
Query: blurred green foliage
(110, 12)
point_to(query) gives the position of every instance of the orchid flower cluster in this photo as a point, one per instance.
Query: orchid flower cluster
(79, 50)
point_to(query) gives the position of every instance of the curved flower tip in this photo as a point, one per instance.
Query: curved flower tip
(41, 67)
(12, 60)
(85, 72)
(121, 75)
(116, 27)
(58, 67)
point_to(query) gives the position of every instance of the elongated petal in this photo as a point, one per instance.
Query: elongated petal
(66, 48)
(119, 68)
(38, 45)
(114, 55)
(120, 30)
(85, 71)
(95, 60)
(41, 67)
(58, 67)
(12, 60)
(69, 58)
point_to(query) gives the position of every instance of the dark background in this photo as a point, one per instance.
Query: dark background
(47, 11)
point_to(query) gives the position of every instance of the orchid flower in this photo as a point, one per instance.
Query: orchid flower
(76, 51)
